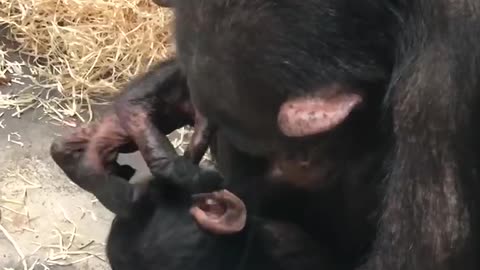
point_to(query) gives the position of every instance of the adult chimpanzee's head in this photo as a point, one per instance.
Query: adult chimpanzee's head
(269, 72)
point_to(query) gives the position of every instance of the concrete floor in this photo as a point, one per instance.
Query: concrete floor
(48, 194)
(40, 208)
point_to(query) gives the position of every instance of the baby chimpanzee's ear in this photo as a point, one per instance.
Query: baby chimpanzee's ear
(318, 112)
(219, 212)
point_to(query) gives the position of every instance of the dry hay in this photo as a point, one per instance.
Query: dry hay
(78, 52)
(83, 50)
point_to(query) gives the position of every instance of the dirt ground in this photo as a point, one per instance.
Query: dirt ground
(50, 221)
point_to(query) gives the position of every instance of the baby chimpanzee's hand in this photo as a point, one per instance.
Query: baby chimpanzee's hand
(182, 172)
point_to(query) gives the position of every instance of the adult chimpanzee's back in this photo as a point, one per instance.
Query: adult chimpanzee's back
(430, 216)
(336, 80)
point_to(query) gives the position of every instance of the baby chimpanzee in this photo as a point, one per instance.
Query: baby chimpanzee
(161, 226)
(150, 107)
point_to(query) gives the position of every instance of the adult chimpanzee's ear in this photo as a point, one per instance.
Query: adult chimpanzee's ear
(318, 112)
(219, 212)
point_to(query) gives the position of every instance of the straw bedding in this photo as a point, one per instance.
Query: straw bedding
(79, 51)
(74, 53)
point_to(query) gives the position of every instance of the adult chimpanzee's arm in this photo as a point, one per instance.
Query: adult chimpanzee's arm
(427, 217)
(154, 105)
(290, 247)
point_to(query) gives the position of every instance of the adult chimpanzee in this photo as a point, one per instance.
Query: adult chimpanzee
(159, 226)
(348, 93)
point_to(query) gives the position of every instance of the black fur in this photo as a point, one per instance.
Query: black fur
(429, 213)
(418, 63)
(161, 234)
(153, 228)
(154, 105)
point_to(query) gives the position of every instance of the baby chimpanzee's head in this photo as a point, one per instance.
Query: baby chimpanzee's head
(170, 233)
